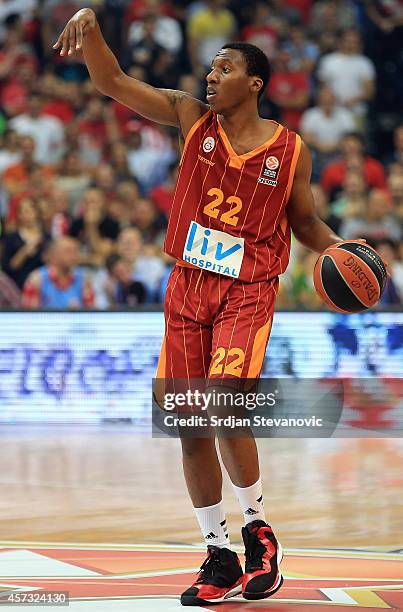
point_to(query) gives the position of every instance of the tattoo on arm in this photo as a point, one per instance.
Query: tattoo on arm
(175, 97)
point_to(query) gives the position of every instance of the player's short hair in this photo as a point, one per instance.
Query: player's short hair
(257, 63)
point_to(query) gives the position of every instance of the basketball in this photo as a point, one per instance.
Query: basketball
(350, 276)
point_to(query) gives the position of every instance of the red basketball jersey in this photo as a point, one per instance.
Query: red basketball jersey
(229, 210)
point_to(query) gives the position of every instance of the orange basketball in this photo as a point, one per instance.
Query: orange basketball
(350, 276)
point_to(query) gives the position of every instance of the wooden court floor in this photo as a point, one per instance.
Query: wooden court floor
(122, 496)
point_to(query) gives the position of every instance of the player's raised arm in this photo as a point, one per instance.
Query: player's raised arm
(164, 106)
(311, 231)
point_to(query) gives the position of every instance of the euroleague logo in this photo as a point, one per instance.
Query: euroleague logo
(272, 163)
(208, 144)
(270, 172)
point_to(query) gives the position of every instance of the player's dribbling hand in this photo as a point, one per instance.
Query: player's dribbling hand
(71, 39)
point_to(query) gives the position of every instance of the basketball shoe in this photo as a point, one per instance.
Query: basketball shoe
(263, 554)
(219, 578)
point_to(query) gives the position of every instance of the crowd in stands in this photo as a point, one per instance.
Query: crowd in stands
(86, 185)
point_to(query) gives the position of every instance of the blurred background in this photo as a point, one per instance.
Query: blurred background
(85, 193)
(86, 189)
(87, 185)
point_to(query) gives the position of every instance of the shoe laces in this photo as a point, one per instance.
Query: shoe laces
(209, 567)
(254, 551)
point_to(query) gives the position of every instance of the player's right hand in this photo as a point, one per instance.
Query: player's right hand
(71, 39)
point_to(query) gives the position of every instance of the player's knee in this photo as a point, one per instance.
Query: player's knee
(192, 447)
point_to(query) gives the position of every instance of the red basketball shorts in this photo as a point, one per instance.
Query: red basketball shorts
(215, 326)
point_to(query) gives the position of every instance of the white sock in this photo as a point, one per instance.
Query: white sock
(213, 525)
(251, 502)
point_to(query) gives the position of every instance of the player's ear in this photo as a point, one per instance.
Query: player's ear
(256, 85)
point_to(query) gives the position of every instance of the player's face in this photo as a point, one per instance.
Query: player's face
(228, 83)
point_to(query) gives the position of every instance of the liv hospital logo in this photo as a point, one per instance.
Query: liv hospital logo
(213, 250)
(151, 578)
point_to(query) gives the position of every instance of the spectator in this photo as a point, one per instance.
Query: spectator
(395, 184)
(289, 90)
(393, 292)
(22, 8)
(128, 192)
(397, 155)
(10, 295)
(397, 269)
(208, 30)
(332, 16)
(147, 164)
(350, 74)
(299, 283)
(23, 249)
(163, 74)
(124, 291)
(59, 284)
(353, 157)
(53, 211)
(116, 209)
(104, 180)
(323, 127)
(303, 8)
(163, 194)
(148, 270)
(46, 131)
(375, 223)
(10, 151)
(164, 30)
(323, 209)
(72, 178)
(143, 48)
(139, 9)
(190, 84)
(120, 162)
(56, 98)
(14, 50)
(303, 52)
(17, 176)
(386, 15)
(352, 200)
(283, 14)
(97, 128)
(260, 31)
(151, 224)
(95, 230)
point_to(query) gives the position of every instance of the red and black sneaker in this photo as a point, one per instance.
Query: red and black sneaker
(262, 577)
(219, 578)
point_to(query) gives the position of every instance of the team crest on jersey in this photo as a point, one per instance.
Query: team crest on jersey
(272, 163)
(208, 144)
(270, 172)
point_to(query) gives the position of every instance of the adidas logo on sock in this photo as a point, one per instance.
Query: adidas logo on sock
(251, 511)
(211, 536)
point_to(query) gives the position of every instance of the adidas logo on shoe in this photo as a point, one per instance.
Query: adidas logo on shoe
(251, 511)
(211, 536)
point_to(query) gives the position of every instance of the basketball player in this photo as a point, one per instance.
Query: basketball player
(243, 186)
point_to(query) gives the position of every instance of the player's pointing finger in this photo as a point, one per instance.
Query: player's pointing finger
(72, 39)
(79, 35)
(64, 41)
(59, 41)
